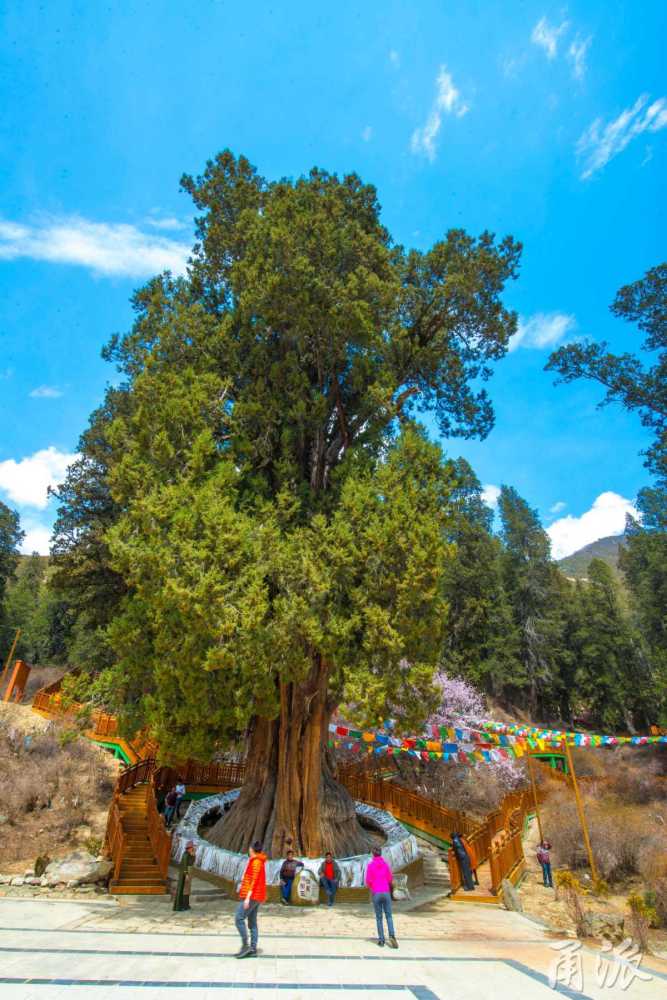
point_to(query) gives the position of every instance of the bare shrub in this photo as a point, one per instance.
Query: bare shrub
(625, 838)
(473, 790)
(570, 889)
(660, 898)
(642, 916)
(51, 784)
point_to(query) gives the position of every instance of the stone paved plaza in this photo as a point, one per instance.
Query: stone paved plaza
(139, 948)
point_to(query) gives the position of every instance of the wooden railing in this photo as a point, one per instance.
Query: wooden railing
(226, 775)
(413, 809)
(115, 837)
(159, 837)
(505, 857)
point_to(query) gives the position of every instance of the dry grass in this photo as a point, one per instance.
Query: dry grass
(55, 789)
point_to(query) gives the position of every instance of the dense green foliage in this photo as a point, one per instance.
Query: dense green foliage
(33, 604)
(10, 539)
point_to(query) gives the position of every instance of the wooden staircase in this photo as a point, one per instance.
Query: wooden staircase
(136, 838)
(139, 871)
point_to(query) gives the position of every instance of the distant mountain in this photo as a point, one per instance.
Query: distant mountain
(605, 549)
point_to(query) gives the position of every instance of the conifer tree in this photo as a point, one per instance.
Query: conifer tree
(280, 543)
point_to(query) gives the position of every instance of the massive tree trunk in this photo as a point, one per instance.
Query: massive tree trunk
(290, 798)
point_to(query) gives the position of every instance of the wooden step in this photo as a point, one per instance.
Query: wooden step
(123, 889)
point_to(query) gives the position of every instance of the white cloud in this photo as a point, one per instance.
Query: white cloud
(491, 494)
(114, 249)
(168, 223)
(542, 330)
(605, 517)
(546, 36)
(557, 507)
(600, 143)
(577, 53)
(37, 538)
(46, 392)
(367, 133)
(26, 482)
(447, 101)
(394, 58)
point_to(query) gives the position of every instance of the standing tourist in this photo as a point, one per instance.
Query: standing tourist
(252, 894)
(182, 897)
(544, 858)
(463, 852)
(379, 881)
(288, 871)
(180, 792)
(329, 875)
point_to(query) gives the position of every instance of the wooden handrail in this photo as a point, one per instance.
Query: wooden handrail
(159, 837)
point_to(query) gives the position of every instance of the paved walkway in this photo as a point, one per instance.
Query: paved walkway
(99, 950)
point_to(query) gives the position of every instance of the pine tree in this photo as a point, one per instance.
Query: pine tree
(11, 537)
(609, 677)
(481, 639)
(529, 582)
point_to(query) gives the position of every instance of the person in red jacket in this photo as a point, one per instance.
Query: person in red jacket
(252, 894)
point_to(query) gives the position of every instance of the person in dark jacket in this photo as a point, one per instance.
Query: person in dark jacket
(288, 870)
(329, 875)
(464, 859)
(182, 897)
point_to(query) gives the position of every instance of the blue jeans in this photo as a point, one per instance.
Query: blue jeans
(169, 815)
(382, 904)
(286, 889)
(546, 874)
(329, 885)
(251, 916)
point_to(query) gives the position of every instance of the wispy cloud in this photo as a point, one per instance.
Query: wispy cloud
(46, 392)
(394, 59)
(367, 133)
(605, 517)
(600, 143)
(542, 330)
(169, 223)
(26, 482)
(546, 36)
(557, 507)
(448, 101)
(577, 53)
(109, 249)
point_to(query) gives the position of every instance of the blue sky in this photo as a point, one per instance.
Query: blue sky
(542, 120)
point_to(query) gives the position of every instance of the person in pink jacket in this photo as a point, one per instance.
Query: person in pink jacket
(379, 881)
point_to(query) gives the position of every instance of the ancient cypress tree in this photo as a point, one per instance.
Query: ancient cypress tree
(281, 520)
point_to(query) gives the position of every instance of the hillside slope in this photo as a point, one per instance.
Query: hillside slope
(605, 549)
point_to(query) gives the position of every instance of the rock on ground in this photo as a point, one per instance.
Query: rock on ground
(511, 897)
(78, 868)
